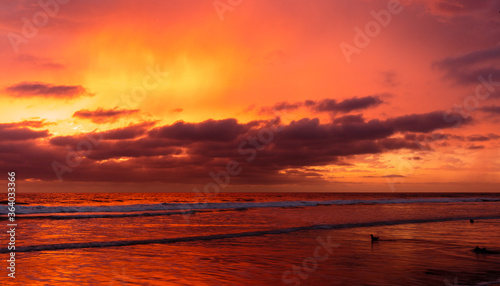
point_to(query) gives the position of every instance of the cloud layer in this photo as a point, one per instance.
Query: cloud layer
(103, 115)
(39, 89)
(329, 105)
(185, 152)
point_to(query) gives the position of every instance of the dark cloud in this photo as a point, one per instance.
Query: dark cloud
(104, 115)
(281, 107)
(27, 123)
(422, 137)
(481, 10)
(470, 58)
(311, 129)
(38, 89)
(427, 122)
(478, 138)
(64, 140)
(347, 105)
(475, 147)
(468, 68)
(328, 105)
(386, 176)
(131, 149)
(186, 152)
(21, 134)
(349, 119)
(470, 76)
(17, 131)
(491, 109)
(399, 143)
(129, 132)
(210, 130)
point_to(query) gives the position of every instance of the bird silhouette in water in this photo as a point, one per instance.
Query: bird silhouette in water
(374, 238)
(471, 221)
(483, 250)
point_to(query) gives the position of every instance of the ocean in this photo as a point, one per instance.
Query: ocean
(254, 239)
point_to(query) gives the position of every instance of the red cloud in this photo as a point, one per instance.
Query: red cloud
(38, 89)
(104, 115)
(186, 152)
(17, 131)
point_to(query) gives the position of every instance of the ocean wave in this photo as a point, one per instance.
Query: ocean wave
(228, 205)
(101, 244)
(119, 215)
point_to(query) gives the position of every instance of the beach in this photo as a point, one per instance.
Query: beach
(256, 239)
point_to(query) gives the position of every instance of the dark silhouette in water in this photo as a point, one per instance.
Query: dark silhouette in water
(374, 238)
(483, 250)
(471, 221)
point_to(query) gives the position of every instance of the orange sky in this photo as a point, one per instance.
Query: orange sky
(176, 90)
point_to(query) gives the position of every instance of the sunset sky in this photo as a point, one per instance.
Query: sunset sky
(156, 95)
